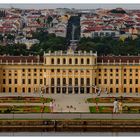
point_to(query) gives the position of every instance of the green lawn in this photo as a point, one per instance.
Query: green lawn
(24, 100)
(109, 109)
(24, 109)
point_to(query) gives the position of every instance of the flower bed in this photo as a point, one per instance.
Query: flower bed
(24, 109)
(109, 109)
(20, 99)
(111, 99)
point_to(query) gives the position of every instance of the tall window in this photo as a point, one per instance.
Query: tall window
(64, 81)
(70, 61)
(82, 61)
(58, 61)
(64, 61)
(58, 81)
(52, 61)
(70, 81)
(82, 81)
(88, 61)
(76, 81)
(52, 81)
(88, 81)
(76, 61)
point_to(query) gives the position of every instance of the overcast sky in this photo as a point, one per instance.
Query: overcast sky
(78, 6)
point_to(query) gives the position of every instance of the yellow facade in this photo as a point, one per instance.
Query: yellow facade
(69, 73)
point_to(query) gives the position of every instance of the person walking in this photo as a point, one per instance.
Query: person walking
(115, 109)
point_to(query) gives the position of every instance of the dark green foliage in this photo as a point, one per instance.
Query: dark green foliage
(110, 46)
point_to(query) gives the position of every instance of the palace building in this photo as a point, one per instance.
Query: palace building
(69, 73)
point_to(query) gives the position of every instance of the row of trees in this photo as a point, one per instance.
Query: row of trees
(110, 46)
(47, 42)
(103, 46)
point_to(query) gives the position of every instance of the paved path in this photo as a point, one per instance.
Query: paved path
(70, 116)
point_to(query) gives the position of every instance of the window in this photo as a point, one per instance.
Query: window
(105, 81)
(52, 61)
(52, 70)
(124, 81)
(58, 81)
(136, 70)
(29, 70)
(82, 61)
(29, 90)
(130, 70)
(111, 90)
(117, 81)
(136, 81)
(15, 81)
(76, 81)
(136, 90)
(10, 89)
(70, 61)
(130, 90)
(29, 81)
(88, 81)
(111, 81)
(23, 70)
(117, 70)
(76, 61)
(88, 61)
(23, 81)
(130, 81)
(117, 90)
(23, 90)
(99, 81)
(124, 90)
(105, 70)
(58, 61)
(52, 81)
(99, 70)
(4, 81)
(82, 81)
(111, 70)
(41, 81)
(35, 70)
(3, 90)
(64, 81)
(124, 70)
(64, 61)
(15, 89)
(15, 74)
(58, 70)
(70, 81)
(10, 81)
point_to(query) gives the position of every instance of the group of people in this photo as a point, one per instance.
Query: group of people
(118, 106)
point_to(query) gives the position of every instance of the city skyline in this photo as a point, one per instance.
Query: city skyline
(76, 6)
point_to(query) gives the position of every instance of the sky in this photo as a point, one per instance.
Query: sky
(77, 6)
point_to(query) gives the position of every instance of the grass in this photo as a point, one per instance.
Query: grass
(23, 109)
(24, 100)
(111, 99)
(109, 109)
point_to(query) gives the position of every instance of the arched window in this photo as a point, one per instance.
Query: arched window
(52, 81)
(64, 61)
(82, 61)
(70, 81)
(58, 61)
(52, 61)
(58, 81)
(64, 81)
(76, 81)
(88, 81)
(70, 61)
(76, 61)
(82, 81)
(88, 61)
